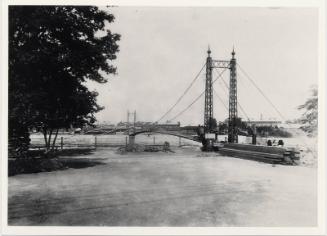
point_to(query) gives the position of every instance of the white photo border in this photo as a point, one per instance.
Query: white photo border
(20, 230)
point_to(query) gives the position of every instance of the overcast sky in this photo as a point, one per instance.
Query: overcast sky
(163, 48)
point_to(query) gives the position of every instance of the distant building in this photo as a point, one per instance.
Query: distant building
(169, 126)
(290, 125)
(261, 123)
(141, 124)
(189, 129)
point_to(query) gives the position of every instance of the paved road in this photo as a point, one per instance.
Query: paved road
(186, 188)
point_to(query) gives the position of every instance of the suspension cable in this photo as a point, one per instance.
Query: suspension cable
(180, 113)
(243, 111)
(270, 102)
(197, 98)
(247, 117)
(226, 85)
(238, 103)
(220, 99)
(261, 92)
(180, 98)
(219, 75)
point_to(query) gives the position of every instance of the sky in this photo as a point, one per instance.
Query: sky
(163, 48)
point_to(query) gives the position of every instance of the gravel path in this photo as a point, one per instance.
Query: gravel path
(185, 188)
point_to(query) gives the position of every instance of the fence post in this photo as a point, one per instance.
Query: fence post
(126, 141)
(179, 141)
(62, 143)
(154, 140)
(95, 141)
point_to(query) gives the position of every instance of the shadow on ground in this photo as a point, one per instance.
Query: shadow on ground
(37, 163)
(78, 163)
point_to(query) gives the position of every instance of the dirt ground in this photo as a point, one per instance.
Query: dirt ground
(185, 188)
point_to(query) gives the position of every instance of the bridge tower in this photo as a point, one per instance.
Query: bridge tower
(232, 118)
(131, 138)
(208, 100)
(208, 106)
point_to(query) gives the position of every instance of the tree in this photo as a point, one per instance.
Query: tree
(309, 118)
(212, 124)
(223, 127)
(240, 124)
(53, 51)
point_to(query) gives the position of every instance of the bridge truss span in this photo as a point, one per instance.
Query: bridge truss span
(172, 133)
(220, 64)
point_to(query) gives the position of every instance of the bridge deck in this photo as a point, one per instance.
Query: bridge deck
(173, 133)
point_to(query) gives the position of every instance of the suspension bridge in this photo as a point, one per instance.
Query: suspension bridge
(207, 133)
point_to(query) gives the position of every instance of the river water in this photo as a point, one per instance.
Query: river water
(299, 141)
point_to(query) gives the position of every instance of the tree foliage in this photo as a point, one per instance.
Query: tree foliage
(309, 118)
(212, 124)
(53, 51)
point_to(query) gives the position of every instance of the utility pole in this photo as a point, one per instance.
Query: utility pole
(127, 123)
(134, 121)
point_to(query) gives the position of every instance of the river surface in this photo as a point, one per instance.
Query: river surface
(120, 139)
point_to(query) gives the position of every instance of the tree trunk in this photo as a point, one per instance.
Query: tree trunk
(54, 140)
(49, 140)
(45, 138)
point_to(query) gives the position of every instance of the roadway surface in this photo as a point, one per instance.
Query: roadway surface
(186, 188)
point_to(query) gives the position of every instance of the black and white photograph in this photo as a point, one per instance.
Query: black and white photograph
(183, 116)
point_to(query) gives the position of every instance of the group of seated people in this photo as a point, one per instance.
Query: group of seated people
(274, 143)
